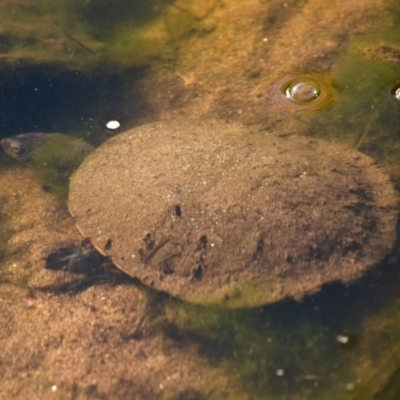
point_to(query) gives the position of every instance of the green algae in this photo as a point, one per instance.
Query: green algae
(239, 337)
(256, 346)
(56, 160)
(300, 338)
(364, 117)
(102, 14)
(110, 35)
(285, 351)
(248, 295)
(379, 381)
(129, 45)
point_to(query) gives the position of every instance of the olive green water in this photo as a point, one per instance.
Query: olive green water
(219, 61)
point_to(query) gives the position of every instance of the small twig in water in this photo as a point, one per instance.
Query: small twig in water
(367, 129)
(78, 42)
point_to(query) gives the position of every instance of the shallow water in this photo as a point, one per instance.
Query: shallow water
(68, 336)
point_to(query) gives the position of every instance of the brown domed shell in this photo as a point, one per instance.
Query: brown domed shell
(217, 213)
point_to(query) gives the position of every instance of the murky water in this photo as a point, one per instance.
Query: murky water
(326, 71)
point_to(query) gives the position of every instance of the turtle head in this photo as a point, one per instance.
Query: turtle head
(20, 147)
(14, 148)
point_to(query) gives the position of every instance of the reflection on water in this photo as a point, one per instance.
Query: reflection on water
(119, 340)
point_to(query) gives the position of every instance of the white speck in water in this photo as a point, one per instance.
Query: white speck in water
(280, 372)
(342, 339)
(113, 124)
(397, 94)
(350, 386)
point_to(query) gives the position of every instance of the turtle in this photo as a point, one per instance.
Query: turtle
(216, 213)
(53, 156)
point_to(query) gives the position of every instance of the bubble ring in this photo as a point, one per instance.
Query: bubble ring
(304, 92)
(393, 93)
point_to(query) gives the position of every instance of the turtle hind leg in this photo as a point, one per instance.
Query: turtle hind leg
(83, 259)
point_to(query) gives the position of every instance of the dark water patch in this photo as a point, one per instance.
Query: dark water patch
(51, 99)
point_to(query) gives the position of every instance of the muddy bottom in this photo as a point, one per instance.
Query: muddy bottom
(70, 336)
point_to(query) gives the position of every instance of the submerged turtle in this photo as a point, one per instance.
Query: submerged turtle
(217, 213)
(53, 156)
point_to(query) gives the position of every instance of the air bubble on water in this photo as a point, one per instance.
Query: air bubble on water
(303, 91)
(350, 386)
(113, 125)
(342, 339)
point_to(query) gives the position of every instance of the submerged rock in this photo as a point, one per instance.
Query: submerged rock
(216, 213)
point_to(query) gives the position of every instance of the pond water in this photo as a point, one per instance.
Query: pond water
(327, 71)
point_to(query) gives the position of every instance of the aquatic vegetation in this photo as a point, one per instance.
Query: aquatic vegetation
(91, 34)
(365, 113)
(278, 349)
(304, 92)
(270, 353)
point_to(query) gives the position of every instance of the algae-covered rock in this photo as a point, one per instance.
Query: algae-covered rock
(215, 213)
(91, 34)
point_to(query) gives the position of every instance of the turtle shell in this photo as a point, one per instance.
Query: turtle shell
(217, 213)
